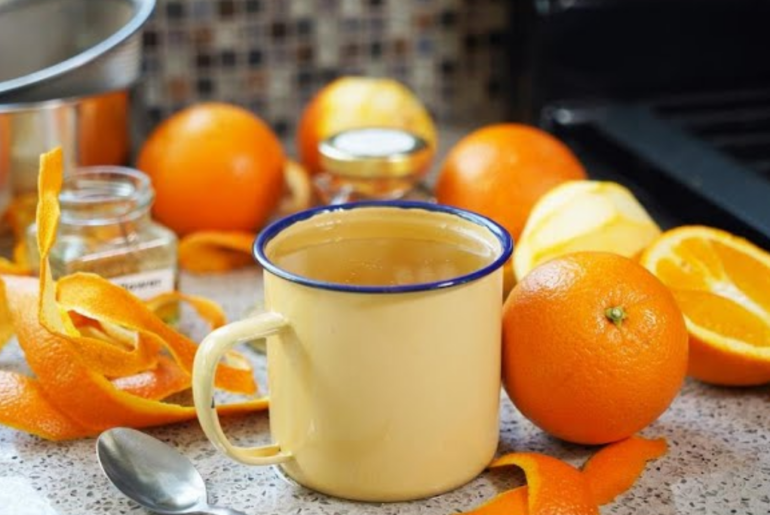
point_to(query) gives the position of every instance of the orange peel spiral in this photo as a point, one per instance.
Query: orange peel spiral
(101, 357)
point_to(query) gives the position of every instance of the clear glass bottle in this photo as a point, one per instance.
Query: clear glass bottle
(373, 163)
(105, 228)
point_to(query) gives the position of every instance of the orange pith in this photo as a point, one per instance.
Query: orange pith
(722, 284)
(571, 369)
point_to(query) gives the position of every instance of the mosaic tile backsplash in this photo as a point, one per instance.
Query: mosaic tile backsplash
(271, 56)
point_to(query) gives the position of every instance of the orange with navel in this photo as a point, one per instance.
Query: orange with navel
(355, 102)
(501, 171)
(594, 347)
(214, 166)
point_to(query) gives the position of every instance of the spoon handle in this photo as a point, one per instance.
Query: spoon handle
(219, 510)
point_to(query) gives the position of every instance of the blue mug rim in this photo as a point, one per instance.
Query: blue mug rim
(272, 230)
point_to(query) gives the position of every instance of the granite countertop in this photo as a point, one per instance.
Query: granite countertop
(718, 461)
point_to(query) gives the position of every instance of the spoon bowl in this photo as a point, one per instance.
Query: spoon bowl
(153, 474)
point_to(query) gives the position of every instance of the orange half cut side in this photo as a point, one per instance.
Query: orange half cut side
(722, 284)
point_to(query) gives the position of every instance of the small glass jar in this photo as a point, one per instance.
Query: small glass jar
(105, 228)
(372, 163)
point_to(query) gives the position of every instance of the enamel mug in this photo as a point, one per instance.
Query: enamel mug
(377, 392)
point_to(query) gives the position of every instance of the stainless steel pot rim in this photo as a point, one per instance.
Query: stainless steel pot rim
(41, 105)
(144, 9)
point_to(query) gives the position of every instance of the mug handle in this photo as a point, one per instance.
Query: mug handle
(207, 357)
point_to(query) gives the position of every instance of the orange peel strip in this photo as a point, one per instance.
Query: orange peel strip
(86, 294)
(82, 394)
(99, 299)
(510, 502)
(214, 251)
(113, 358)
(166, 379)
(23, 406)
(616, 467)
(48, 337)
(207, 309)
(86, 397)
(554, 487)
(607, 474)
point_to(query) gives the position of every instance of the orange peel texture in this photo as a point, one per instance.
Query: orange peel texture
(616, 467)
(556, 487)
(213, 251)
(101, 357)
(553, 486)
(23, 406)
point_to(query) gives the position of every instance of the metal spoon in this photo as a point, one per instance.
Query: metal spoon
(153, 474)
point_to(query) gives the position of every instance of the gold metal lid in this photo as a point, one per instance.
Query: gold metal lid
(375, 152)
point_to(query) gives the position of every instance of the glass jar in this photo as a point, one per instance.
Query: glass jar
(372, 163)
(105, 228)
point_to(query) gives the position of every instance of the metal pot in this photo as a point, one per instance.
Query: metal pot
(65, 70)
(91, 130)
(53, 49)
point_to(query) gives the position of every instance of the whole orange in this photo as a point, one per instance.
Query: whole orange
(502, 170)
(214, 166)
(354, 102)
(594, 347)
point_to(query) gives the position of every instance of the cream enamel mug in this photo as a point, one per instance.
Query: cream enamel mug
(382, 391)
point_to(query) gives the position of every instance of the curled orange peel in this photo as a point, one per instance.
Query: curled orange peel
(214, 251)
(555, 487)
(167, 378)
(616, 467)
(86, 293)
(510, 502)
(18, 393)
(74, 334)
(206, 309)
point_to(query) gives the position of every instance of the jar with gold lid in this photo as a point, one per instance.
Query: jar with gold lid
(372, 163)
(105, 228)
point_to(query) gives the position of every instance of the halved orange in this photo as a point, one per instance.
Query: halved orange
(722, 285)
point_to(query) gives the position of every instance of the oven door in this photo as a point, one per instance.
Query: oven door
(671, 98)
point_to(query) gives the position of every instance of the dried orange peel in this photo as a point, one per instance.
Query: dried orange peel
(214, 251)
(100, 356)
(556, 487)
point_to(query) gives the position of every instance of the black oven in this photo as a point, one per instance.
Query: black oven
(669, 97)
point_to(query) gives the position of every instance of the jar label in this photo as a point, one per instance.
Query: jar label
(146, 285)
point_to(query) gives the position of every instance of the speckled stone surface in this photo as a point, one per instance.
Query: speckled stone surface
(719, 458)
(718, 461)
